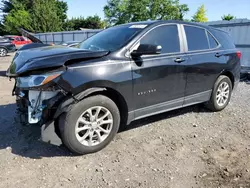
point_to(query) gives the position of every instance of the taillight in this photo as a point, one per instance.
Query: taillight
(238, 54)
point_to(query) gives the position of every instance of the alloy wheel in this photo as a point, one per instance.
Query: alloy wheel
(222, 94)
(94, 126)
(3, 52)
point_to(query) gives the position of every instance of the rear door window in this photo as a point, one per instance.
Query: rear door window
(166, 36)
(212, 42)
(196, 38)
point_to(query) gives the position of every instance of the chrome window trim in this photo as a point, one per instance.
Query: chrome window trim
(210, 49)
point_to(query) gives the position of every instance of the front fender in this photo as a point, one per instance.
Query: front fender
(69, 102)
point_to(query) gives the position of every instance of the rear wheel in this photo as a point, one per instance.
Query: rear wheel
(3, 52)
(221, 94)
(90, 125)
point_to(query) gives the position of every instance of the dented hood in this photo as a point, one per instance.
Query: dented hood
(49, 57)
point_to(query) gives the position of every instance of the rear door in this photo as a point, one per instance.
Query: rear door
(159, 80)
(204, 63)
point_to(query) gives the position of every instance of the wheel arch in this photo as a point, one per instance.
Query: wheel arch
(117, 97)
(229, 75)
(4, 48)
(111, 93)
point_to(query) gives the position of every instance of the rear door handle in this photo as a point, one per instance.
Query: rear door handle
(179, 60)
(218, 55)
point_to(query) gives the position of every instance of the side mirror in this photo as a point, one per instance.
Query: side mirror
(147, 49)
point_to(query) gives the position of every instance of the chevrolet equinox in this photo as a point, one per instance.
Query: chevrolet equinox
(80, 96)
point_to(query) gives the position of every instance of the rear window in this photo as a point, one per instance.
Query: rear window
(212, 42)
(224, 39)
(196, 38)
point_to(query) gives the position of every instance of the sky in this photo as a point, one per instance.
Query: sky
(215, 8)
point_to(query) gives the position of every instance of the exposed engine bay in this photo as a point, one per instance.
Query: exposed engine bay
(36, 104)
(36, 107)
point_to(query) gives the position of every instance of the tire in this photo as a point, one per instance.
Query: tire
(213, 103)
(3, 52)
(72, 120)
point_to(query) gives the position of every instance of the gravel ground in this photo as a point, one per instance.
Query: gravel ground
(191, 147)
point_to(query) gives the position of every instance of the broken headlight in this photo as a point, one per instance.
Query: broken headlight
(36, 80)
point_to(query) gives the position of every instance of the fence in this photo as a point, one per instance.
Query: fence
(59, 37)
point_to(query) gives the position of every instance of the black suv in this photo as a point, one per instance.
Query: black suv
(83, 95)
(6, 47)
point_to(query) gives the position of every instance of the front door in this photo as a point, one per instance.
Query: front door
(159, 80)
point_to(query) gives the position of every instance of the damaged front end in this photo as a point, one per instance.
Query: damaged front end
(38, 98)
(43, 85)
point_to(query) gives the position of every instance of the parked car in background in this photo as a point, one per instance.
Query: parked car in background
(18, 41)
(82, 95)
(6, 46)
(72, 44)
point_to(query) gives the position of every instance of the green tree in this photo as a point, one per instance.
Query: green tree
(116, 12)
(228, 17)
(45, 17)
(124, 11)
(62, 8)
(2, 32)
(91, 22)
(200, 15)
(35, 15)
(167, 10)
(17, 17)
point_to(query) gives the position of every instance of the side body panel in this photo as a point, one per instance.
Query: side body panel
(204, 67)
(159, 83)
(114, 74)
(202, 70)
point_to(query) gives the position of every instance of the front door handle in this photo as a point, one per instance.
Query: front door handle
(179, 60)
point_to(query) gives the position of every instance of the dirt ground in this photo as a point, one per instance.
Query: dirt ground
(185, 148)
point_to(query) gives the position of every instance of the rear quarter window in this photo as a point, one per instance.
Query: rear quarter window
(212, 42)
(196, 38)
(224, 39)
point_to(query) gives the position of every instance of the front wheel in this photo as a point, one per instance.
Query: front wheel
(221, 94)
(3, 52)
(90, 125)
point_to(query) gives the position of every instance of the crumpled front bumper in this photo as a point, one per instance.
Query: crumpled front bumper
(41, 117)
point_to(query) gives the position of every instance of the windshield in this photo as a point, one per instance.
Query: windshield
(110, 39)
